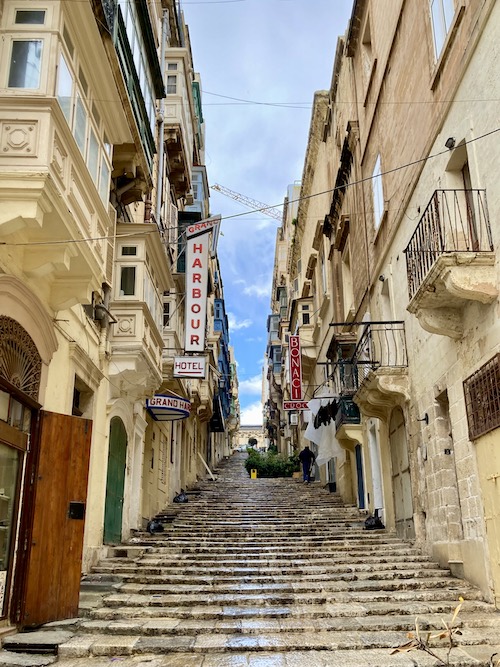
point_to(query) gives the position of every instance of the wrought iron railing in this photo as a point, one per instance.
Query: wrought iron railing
(381, 345)
(454, 221)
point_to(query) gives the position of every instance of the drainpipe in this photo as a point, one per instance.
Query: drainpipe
(161, 121)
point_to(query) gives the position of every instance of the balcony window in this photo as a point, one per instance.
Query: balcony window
(171, 84)
(25, 64)
(27, 17)
(75, 98)
(129, 251)
(127, 281)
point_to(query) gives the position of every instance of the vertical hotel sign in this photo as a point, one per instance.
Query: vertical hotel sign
(197, 247)
(295, 366)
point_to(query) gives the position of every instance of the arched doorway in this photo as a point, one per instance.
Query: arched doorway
(401, 480)
(115, 482)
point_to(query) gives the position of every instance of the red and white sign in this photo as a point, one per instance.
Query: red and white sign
(295, 405)
(203, 227)
(295, 366)
(196, 292)
(190, 367)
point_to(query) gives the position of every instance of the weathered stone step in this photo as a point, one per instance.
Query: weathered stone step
(162, 595)
(322, 640)
(470, 656)
(478, 615)
(294, 577)
(160, 625)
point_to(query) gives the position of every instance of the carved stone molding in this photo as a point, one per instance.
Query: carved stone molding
(381, 391)
(19, 138)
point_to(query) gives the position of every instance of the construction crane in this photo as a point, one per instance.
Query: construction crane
(251, 203)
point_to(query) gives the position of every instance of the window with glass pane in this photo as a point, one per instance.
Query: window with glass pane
(378, 194)
(64, 87)
(442, 12)
(80, 124)
(9, 468)
(26, 17)
(104, 181)
(25, 64)
(127, 281)
(93, 156)
(171, 84)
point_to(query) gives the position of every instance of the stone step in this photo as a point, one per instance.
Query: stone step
(478, 614)
(320, 640)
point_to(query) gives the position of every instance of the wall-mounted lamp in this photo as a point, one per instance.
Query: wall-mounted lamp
(425, 419)
(450, 143)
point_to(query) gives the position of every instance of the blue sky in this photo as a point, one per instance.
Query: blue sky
(260, 62)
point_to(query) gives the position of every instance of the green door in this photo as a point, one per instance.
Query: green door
(115, 482)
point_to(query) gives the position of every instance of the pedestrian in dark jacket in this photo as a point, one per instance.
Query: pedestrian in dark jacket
(307, 458)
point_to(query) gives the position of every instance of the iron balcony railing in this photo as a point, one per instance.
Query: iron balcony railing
(381, 345)
(454, 221)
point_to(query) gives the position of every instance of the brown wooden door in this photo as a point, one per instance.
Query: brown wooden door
(60, 496)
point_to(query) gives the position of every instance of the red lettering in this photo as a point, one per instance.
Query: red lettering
(195, 308)
(197, 263)
(195, 339)
(196, 293)
(195, 324)
(196, 277)
(197, 247)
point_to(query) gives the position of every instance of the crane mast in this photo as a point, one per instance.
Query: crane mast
(247, 201)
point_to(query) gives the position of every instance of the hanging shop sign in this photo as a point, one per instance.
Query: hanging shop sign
(190, 367)
(164, 408)
(295, 368)
(203, 226)
(196, 292)
(295, 405)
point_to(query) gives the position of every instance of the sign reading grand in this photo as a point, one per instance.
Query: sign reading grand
(163, 407)
(190, 367)
(295, 367)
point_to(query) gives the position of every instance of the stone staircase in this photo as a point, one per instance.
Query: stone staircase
(262, 573)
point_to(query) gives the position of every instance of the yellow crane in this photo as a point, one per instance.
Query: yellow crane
(251, 203)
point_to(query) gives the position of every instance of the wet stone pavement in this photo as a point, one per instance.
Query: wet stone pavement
(262, 573)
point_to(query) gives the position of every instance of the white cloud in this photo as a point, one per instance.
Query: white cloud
(251, 386)
(235, 325)
(252, 414)
(259, 291)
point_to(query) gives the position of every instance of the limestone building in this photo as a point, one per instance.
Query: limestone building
(398, 262)
(102, 158)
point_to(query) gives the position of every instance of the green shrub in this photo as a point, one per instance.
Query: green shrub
(271, 464)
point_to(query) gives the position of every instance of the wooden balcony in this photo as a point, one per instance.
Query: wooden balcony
(450, 260)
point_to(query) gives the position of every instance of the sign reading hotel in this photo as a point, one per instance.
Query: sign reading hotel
(190, 367)
(295, 367)
(197, 247)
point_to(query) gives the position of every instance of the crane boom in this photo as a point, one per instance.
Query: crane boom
(251, 203)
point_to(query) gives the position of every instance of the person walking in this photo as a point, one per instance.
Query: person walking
(307, 458)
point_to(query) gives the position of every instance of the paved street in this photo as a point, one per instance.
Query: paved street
(264, 573)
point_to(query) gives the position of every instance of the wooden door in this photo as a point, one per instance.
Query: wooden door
(401, 481)
(60, 496)
(115, 483)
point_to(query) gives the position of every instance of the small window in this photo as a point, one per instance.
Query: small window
(83, 82)
(68, 42)
(129, 250)
(80, 129)
(104, 181)
(171, 84)
(93, 155)
(25, 64)
(172, 67)
(33, 17)
(378, 194)
(166, 314)
(127, 281)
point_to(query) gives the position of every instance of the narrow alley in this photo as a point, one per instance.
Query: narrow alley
(262, 573)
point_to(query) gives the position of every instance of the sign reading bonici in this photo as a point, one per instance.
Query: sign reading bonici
(295, 367)
(197, 246)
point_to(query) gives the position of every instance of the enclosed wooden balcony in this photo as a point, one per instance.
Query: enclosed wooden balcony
(450, 260)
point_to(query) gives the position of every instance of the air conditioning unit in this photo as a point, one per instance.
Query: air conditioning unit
(294, 419)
